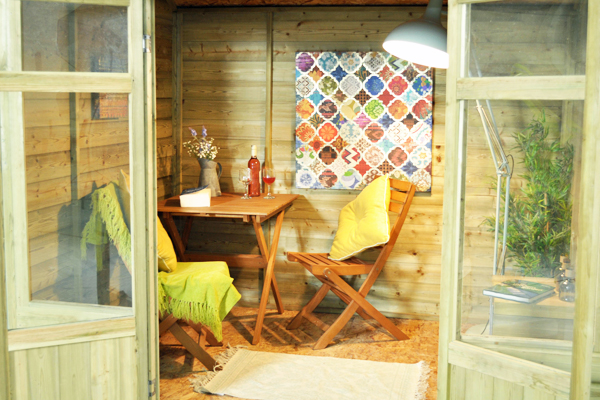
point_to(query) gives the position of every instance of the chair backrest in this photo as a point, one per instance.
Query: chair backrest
(402, 194)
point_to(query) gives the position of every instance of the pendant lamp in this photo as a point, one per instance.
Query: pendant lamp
(422, 41)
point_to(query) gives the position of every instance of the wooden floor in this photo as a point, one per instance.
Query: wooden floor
(360, 339)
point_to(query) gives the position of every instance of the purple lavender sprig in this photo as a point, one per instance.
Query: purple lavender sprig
(201, 147)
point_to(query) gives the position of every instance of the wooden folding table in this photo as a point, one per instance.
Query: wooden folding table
(228, 205)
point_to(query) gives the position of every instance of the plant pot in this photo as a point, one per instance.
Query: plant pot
(209, 176)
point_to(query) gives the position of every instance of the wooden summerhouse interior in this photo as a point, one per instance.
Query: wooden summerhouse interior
(229, 66)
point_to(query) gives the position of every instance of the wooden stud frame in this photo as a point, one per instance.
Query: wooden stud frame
(76, 323)
(4, 365)
(33, 81)
(586, 328)
(454, 195)
(522, 88)
(143, 162)
(269, 92)
(454, 351)
(177, 101)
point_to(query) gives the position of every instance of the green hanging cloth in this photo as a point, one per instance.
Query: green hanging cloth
(106, 211)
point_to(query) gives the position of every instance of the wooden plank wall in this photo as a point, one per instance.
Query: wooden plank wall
(473, 385)
(101, 369)
(165, 151)
(224, 89)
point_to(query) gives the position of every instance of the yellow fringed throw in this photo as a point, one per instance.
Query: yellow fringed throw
(198, 291)
(107, 210)
(201, 292)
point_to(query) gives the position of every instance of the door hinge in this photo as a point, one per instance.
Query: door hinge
(147, 45)
(151, 388)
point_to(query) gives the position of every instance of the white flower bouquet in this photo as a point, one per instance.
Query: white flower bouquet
(201, 147)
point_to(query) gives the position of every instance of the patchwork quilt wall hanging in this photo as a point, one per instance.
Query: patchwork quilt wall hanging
(362, 115)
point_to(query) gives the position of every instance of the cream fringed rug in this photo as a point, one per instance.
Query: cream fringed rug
(275, 376)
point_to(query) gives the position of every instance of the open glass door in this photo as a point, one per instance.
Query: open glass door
(78, 198)
(517, 209)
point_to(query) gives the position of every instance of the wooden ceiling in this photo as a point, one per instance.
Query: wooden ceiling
(288, 3)
(308, 3)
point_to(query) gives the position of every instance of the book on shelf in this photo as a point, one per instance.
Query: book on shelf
(520, 290)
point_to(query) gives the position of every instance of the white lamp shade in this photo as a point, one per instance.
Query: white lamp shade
(421, 41)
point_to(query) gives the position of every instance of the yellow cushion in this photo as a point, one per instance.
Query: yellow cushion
(363, 222)
(125, 196)
(167, 260)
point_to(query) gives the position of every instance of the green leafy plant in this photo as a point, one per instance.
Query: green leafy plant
(539, 221)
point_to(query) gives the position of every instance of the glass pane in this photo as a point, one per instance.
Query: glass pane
(77, 164)
(508, 38)
(73, 37)
(540, 140)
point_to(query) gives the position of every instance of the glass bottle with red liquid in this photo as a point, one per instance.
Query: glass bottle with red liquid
(254, 165)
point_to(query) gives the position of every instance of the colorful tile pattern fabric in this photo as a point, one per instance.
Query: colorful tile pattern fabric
(360, 116)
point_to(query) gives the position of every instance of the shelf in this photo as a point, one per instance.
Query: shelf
(551, 307)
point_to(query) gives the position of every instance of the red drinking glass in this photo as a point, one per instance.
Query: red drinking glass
(268, 175)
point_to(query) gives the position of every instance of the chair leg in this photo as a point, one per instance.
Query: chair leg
(187, 230)
(210, 338)
(166, 323)
(346, 299)
(204, 333)
(362, 302)
(193, 347)
(336, 327)
(309, 307)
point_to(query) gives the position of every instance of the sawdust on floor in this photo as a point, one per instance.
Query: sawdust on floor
(359, 339)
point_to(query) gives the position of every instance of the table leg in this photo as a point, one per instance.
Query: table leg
(172, 229)
(262, 245)
(277, 296)
(187, 230)
(269, 275)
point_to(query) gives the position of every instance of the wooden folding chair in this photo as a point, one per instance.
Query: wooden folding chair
(329, 272)
(168, 322)
(197, 349)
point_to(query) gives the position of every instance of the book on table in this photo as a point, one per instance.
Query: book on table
(520, 290)
(196, 197)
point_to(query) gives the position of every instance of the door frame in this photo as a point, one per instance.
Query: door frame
(460, 88)
(142, 321)
(4, 371)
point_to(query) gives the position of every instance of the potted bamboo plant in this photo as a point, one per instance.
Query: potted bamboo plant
(539, 221)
